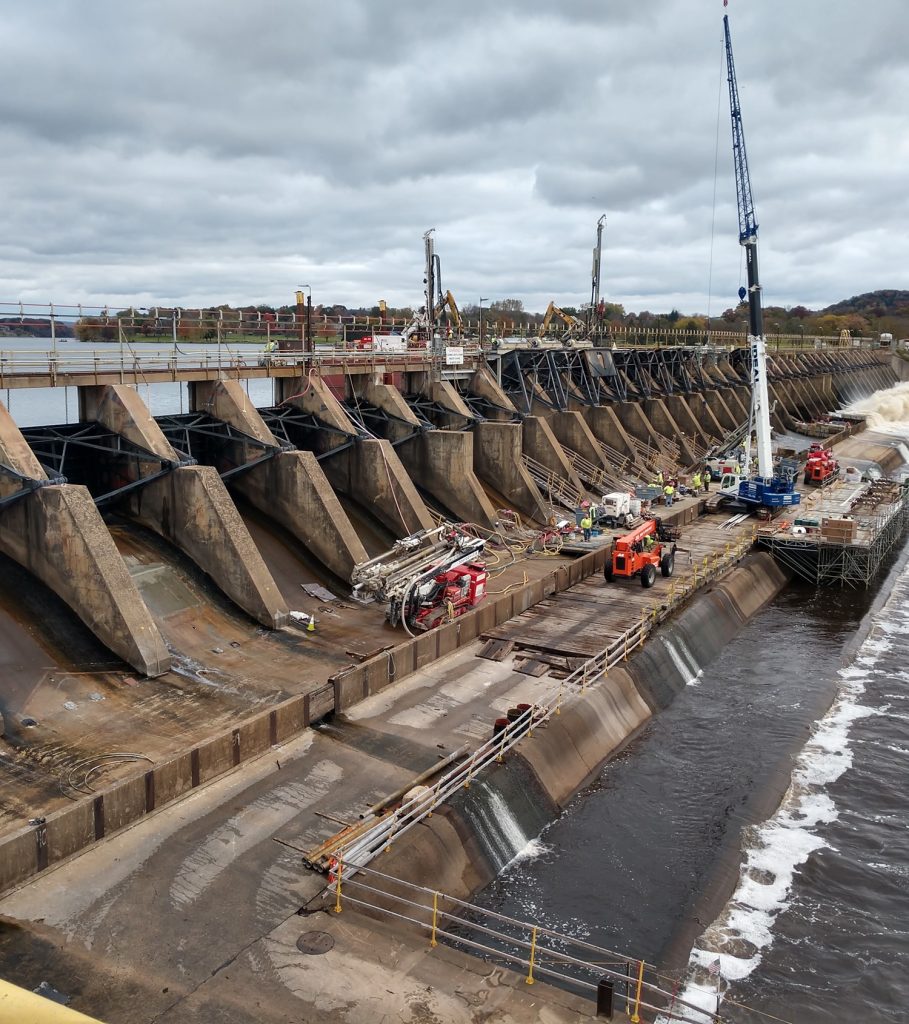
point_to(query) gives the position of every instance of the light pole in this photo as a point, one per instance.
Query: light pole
(481, 319)
(307, 330)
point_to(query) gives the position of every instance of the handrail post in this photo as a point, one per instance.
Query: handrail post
(338, 886)
(635, 1016)
(435, 918)
(533, 952)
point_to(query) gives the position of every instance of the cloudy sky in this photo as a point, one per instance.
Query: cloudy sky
(195, 151)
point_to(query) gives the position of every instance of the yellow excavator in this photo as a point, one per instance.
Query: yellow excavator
(573, 325)
(454, 316)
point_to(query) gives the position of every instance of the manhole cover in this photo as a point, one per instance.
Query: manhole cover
(315, 943)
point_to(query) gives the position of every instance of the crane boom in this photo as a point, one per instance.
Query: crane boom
(764, 489)
(748, 229)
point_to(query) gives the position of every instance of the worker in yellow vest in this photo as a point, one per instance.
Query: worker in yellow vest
(668, 494)
(696, 483)
(586, 526)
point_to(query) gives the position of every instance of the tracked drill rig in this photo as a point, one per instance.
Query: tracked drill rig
(428, 578)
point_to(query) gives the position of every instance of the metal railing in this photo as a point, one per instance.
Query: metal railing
(556, 488)
(359, 844)
(537, 952)
(174, 363)
(159, 321)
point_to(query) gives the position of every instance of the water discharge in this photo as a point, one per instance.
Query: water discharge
(887, 411)
(682, 658)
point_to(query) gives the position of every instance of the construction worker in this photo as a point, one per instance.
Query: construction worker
(668, 495)
(707, 479)
(649, 542)
(696, 483)
(586, 526)
(659, 477)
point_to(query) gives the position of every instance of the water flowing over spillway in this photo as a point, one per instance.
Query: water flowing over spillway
(886, 410)
(642, 858)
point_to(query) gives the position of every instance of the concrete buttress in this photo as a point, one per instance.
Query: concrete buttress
(497, 458)
(369, 471)
(711, 411)
(662, 420)
(190, 507)
(682, 414)
(442, 460)
(290, 487)
(57, 533)
(540, 443)
(484, 385)
(607, 428)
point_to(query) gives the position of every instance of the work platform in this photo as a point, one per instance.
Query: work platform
(842, 533)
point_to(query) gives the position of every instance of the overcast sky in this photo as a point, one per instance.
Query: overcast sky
(196, 151)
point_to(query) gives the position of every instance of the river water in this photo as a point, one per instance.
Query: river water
(781, 764)
(33, 407)
(809, 704)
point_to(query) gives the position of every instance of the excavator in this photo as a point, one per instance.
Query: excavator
(454, 316)
(573, 324)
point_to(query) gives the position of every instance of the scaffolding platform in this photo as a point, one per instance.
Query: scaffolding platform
(840, 535)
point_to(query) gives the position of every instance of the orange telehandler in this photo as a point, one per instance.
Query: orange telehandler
(645, 549)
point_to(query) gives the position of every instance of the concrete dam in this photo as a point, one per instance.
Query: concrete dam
(160, 572)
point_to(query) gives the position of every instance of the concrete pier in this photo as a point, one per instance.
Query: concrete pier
(367, 471)
(56, 533)
(497, 458)
(190, 507)
(290, 487)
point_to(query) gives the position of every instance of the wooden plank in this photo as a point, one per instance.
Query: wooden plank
(496, 650)
(533, 668)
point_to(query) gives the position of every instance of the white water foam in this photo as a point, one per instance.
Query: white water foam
(683, 659)
(501, 828)
(887, 411)
(776, 849)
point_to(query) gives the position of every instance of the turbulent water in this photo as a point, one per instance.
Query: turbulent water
(808, 705)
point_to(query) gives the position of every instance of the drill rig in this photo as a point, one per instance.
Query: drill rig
(426, 579)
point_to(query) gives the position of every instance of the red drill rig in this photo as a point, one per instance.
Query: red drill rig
(428, 578)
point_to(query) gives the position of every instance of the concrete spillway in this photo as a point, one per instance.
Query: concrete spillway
(533, 429)
(179, 544)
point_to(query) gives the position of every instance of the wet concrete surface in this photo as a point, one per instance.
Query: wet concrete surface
(225, 667)
(191, 914)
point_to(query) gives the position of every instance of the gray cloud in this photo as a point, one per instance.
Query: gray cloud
(173, 152)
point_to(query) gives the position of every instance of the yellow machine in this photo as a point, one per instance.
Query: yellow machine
(572, 323)
(454, 315)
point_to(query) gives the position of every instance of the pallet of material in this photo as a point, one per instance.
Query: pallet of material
(839, 530)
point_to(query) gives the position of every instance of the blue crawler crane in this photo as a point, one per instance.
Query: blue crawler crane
(763, 490)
